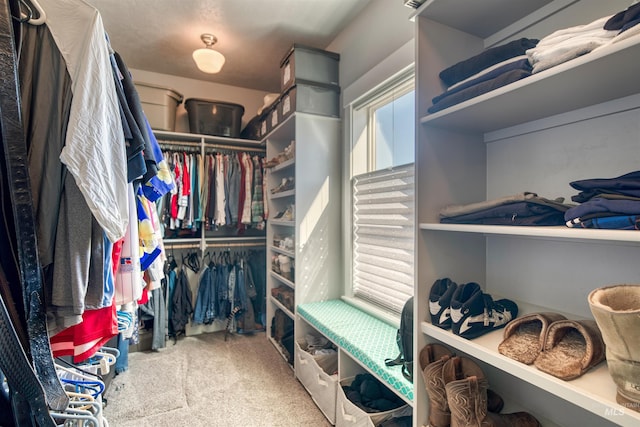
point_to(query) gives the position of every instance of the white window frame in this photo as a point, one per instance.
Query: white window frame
(404, 78)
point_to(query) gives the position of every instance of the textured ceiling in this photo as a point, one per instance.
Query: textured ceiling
(253, 35)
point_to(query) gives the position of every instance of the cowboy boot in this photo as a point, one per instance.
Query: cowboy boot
(432, 359)
(466, 388)
(616, 310)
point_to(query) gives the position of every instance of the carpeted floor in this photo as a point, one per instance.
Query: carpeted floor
(205, 381)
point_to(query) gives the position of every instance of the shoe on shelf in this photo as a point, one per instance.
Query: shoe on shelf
(440, 302)
(289, 213)
(470, 402)
(474, 313)
(275, 161)
(290, 150)
(524, 337)
(285, 185)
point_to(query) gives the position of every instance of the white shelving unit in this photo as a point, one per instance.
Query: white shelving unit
(315, 227)
(575, 121)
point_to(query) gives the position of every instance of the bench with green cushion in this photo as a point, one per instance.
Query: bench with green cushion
(366, 338)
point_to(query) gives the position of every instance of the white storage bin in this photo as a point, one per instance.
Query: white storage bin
(159, 105)
(317, 375)
(350, 415)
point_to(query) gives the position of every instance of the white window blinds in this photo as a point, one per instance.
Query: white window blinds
(383, 241)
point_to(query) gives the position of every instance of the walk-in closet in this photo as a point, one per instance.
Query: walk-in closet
(362, 213)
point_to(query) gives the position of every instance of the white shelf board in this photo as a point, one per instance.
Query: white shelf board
(559, 232)
(290, 254)
(479, 17)
(179, 241)
(282, 223)
(284, 165)
(167, 136)
(283, 308)
(594, 391)
(280, 195)
(588, 80)
(283, 130)
(281, 279)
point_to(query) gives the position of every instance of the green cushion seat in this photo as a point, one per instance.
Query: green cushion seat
(365, 337)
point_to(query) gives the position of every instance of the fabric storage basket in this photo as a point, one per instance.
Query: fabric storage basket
(159, 105)
(274, 117)
(214, 117)
(316, 373)
(309, 97)
(350, 415)
(308, 63)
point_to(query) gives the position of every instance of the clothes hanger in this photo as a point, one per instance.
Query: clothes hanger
(82, 410)
(42, 16)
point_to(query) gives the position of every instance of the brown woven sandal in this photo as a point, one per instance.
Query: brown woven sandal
(571, 348)
(524, 336)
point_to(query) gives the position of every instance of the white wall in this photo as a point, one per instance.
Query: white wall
(190, 88)
(377, 44)
(377, 32)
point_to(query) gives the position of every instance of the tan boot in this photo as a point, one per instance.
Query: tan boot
(466, 388)
(432, 359)
(617, 313)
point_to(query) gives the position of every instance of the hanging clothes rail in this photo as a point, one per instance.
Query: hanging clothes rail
(178, 146)
(217, 243)
(218, 147)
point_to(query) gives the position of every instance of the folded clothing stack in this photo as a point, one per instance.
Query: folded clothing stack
(519, 209)
(612, 203)
(489, 70)
(569, 43)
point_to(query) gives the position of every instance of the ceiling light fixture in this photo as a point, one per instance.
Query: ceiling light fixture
(207, 59)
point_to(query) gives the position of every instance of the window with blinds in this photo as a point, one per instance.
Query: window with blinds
(383, 236)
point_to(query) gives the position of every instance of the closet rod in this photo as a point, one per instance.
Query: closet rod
(210, 146)
(234, 148)
(194, 245)
(235, 245)
(178, 144)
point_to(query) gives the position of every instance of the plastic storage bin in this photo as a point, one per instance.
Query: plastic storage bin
(317, 375)
(308, 63)
(214, 117)
(309, 97)
(350, 415)
(159, 105)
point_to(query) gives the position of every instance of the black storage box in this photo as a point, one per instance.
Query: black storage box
(252, 129)
(214, 117)
(309, 97)
(310, 64)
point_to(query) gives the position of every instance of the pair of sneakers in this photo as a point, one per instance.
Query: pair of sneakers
(467, 310)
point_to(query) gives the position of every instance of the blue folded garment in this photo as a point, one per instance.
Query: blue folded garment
(601, 205)
(517, 64)
(467, 68)
(620, 222)
(479, 89)
(627, 185)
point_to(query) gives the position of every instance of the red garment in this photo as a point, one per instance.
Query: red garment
(186, 178)
(83, 340)
(241, 194)
(115, 255)
(174, 197)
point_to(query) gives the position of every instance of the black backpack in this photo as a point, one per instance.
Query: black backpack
(404, 339)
